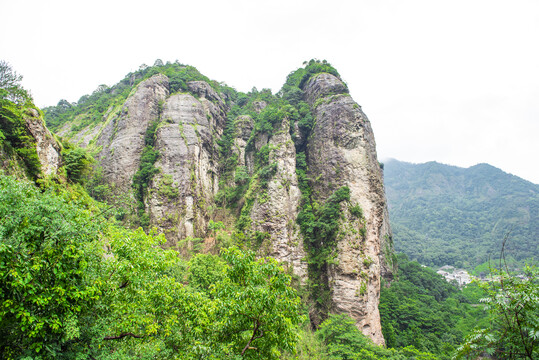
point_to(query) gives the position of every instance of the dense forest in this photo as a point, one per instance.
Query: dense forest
(445, 215)
(80, 278)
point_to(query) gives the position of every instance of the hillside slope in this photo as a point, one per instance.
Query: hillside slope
(444, 214)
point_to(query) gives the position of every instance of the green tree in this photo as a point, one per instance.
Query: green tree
(15, 138)
(75, 286)
(342, 338)
(77, 162)
(423, 310)
(205, 270)
(45, 243)
(258, 310)
(513, 304)
(344, 341)
(10, 81)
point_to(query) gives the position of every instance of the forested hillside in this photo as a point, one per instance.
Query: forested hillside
(443, 214)
(423, 310)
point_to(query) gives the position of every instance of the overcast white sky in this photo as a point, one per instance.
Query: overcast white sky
(452, 81)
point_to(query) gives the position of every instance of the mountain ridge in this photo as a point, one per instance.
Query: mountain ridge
(189, 156)
(437, 211)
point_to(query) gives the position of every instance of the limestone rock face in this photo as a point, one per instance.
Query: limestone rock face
(183, 190)
(275, 211)
(122, 137)
(47, 148)
(243, 126)
(324, 85)
(212, 102)
(259, 106)
(341, 152)
(83, 137)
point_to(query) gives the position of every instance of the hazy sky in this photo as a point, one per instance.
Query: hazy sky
(452, 81)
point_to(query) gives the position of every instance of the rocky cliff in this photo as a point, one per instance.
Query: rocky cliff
(341, 152)
(122, 137)
(30, 151)
(192, 152)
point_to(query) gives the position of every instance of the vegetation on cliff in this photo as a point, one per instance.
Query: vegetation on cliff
(16, 142)
(89, 109)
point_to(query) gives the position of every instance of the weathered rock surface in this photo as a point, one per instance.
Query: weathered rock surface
(122, 138)
(47, 148)
(324, 85)
(183, 190)
(243, 126)
(341, 152)
(259, 106)
(82, 137)
(276, 208)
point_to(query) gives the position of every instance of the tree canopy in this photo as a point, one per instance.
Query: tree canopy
(74, 285)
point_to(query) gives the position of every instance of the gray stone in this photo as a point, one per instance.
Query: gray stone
(122, 138)
(48, 150)
(341, 151)
(276, 209)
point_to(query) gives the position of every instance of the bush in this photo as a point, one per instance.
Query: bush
(77, 162)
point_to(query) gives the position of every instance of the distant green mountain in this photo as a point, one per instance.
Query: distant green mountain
(444, 214)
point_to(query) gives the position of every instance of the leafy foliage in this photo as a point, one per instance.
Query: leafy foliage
(255, 302)
(513, 330)
(10, 82)
(76, 286)
(145, 173)
(205, 270)
(44, 252)
(299, 77)
(77, 162)
(345, 342)
(319, 227)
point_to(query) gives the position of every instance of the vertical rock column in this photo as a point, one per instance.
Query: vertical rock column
(341, 151)
(122, 138)
(183, 190)
(48, 150)
(276, 208)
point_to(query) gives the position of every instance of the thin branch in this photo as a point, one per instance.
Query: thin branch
(253, 337)
(121, 336)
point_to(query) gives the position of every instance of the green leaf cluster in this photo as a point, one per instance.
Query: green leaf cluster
(512, 303)
(338, 338)
(77, 162)
(145, 173)
(75, 286)
(301, 76)
(319, 226)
